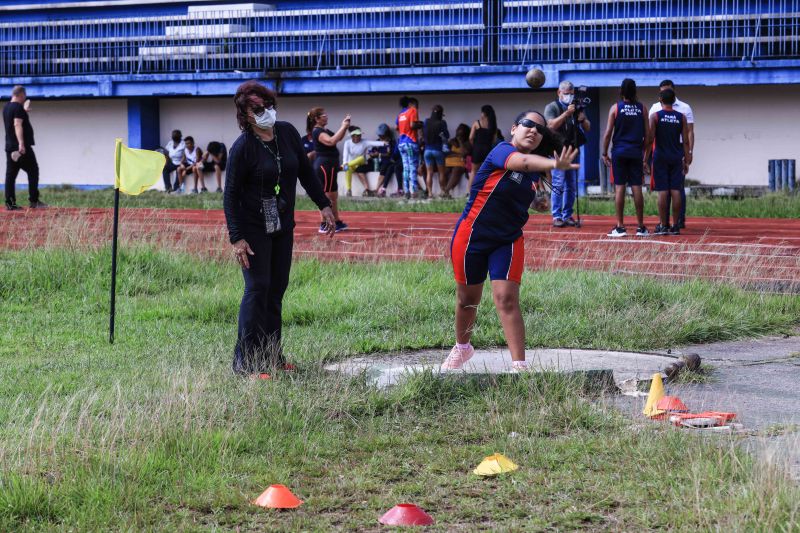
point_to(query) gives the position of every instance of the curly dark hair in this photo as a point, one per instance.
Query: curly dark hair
(242, 100)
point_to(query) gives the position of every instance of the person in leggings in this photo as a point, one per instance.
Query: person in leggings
(326, 162)
(390, 162)
(408, 145)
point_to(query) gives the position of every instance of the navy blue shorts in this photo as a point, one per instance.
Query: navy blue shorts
(627, 171)
(472, 261)
(667, 175)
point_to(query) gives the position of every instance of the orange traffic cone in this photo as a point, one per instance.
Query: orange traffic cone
(278, 497)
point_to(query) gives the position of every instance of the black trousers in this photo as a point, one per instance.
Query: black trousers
(169, 168)
(27, 163)
(258, 344)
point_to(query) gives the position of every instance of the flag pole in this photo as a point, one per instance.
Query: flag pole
(114, 266)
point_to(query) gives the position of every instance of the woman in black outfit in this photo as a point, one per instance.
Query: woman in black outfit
(263, 167)
(482, 136)
(326, 163)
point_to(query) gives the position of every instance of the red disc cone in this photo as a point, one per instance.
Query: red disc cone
(406, 514)
(278, 497)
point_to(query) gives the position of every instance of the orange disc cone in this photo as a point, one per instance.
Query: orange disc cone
(278, 497)
(671, 404)
(406, 514)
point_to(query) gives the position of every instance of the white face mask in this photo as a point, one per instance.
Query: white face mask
(266, 119)
(566, 99)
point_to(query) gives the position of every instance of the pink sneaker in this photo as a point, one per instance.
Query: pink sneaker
(457, 358)
(519, 366)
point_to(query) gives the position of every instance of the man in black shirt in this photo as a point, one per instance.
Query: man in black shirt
(19, 150)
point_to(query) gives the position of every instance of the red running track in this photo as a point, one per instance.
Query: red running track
(758, 253)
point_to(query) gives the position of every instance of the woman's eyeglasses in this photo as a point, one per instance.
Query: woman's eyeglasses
(528, 123)
(259, 110)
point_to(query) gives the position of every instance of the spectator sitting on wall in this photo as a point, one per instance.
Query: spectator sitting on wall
(215, 159)
(174, 150)
(354, 159)
(191, 163)
(390, 162)
(455, 161)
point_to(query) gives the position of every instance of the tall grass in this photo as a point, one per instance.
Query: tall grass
(769, 206)
(154, 433)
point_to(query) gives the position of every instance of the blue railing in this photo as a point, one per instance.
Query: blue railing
(404, 34)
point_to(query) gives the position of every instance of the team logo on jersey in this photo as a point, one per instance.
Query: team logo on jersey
(516, 177)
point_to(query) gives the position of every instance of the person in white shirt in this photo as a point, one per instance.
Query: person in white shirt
(354, 159)
(174, 152)
(192, 164)
(686, 110)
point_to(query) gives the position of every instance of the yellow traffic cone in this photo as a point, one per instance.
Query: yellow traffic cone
(495, 464)
(655, 394)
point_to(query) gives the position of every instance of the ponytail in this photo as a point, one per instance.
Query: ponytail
(311, 118)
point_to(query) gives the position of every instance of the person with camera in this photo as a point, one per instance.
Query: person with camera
(567, 118)
(628, 125)
(264, 165)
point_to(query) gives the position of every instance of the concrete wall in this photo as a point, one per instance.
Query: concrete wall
(737, 128)
(75, 139)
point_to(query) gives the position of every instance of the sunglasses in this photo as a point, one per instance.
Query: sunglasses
(258, 110)
(528, 123)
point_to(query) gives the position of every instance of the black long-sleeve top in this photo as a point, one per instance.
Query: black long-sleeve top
(249, 162)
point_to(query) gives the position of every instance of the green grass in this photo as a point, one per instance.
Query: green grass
(769, 206)
(153, 433)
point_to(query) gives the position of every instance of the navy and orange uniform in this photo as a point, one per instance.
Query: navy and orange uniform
(488, 235)
(668, 151)
(626, 154)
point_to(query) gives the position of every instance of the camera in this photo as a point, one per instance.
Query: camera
(581, 98)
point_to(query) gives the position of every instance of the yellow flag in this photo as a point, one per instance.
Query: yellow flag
(136, 170)
(495, 464)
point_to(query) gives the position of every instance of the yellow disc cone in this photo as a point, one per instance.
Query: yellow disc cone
(495, 464)
(655, 394)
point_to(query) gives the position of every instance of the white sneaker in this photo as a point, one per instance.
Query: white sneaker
(457, 358)
(618, 231)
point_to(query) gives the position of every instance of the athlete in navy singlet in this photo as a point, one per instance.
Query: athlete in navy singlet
(627, 126)
(668, 139)
(488, 236)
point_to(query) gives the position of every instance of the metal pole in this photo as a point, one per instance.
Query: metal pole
(113, 267)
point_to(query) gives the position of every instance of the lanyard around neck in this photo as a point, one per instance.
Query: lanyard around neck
(277, 156)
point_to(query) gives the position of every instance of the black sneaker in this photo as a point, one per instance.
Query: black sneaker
(661, 230)
(341, 226)
(617, 231)
(38, 205)
(641, 231)
(323, 228)
(675, 230)
(12, 207)
(571, 222)
(219, 189)
(203, 190)
(408, 195)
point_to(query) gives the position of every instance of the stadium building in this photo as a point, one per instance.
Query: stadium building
(101, 69)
